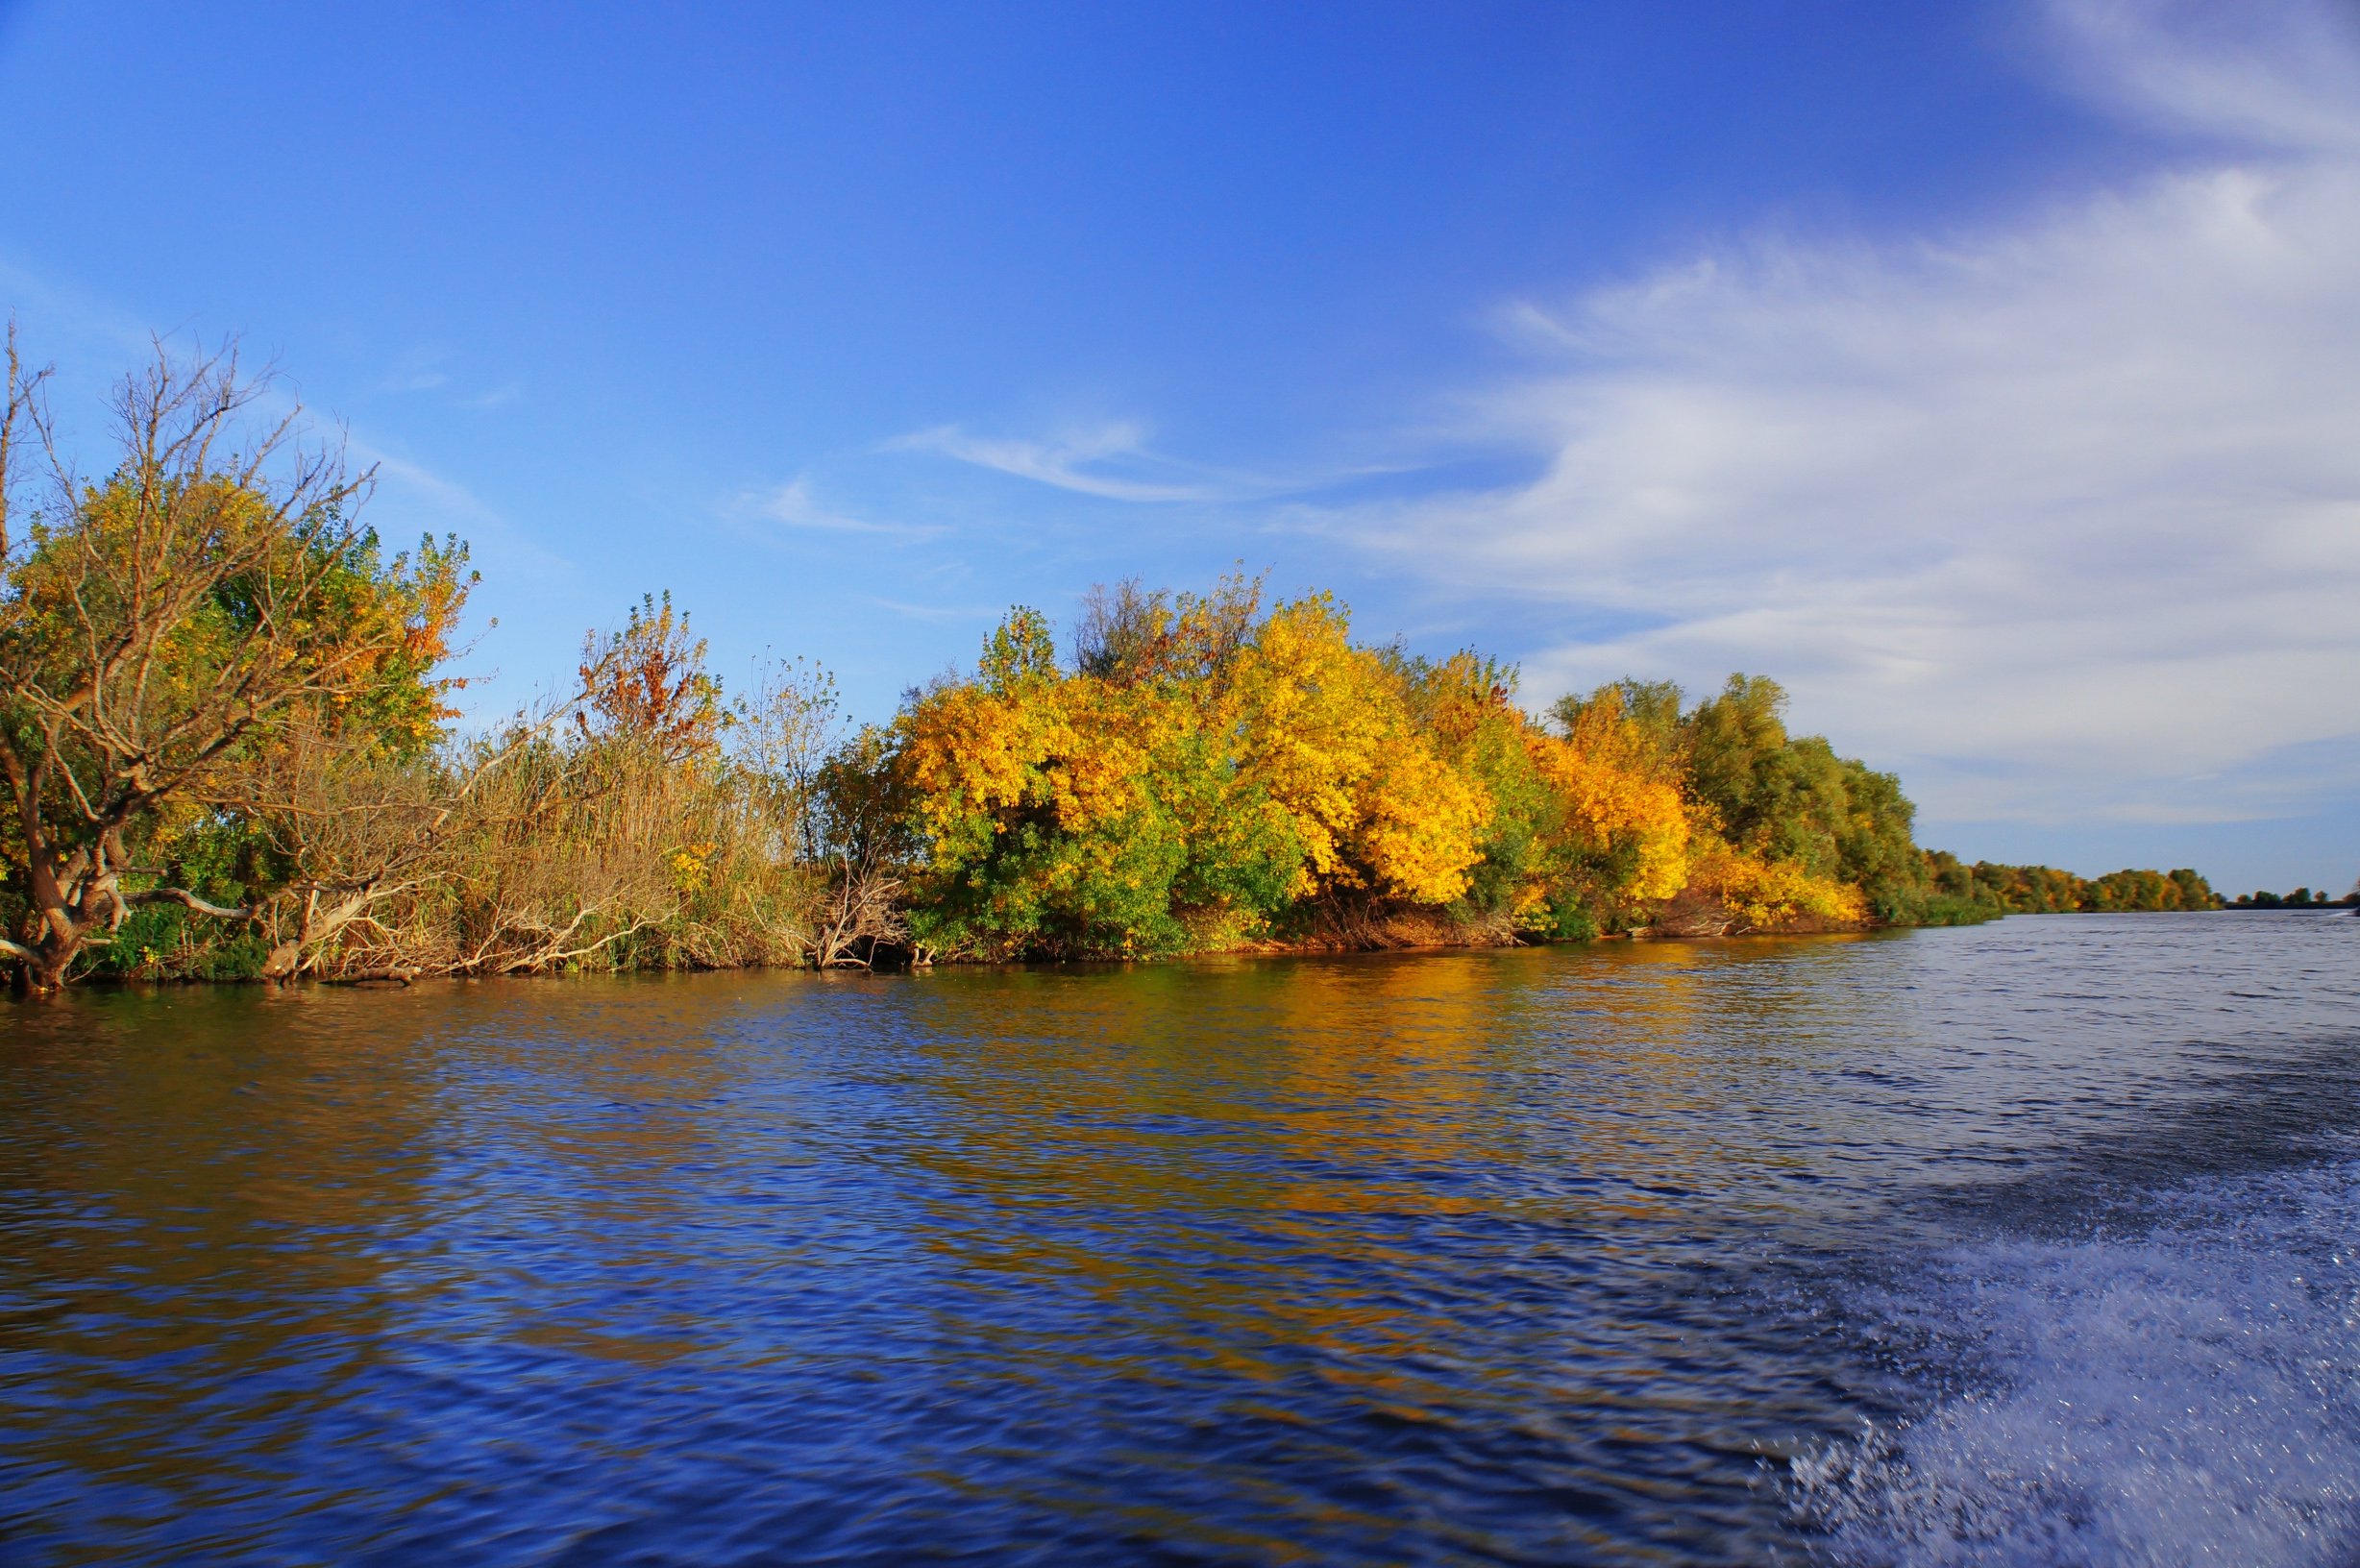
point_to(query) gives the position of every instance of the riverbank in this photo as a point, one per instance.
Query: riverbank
(1404, 931)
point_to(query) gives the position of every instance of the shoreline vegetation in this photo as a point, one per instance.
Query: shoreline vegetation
(230, 753)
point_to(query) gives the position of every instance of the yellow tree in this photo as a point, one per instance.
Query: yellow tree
(1040, 799)
(1622, 816)
(1325, 729)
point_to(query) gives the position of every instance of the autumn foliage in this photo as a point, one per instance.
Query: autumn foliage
(1186, 789)
(1206, 772)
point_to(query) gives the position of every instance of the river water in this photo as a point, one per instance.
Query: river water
(2033, 1243)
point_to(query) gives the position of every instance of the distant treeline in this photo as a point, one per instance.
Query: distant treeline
(226, 734)
(2299, 899)
(2044, 889)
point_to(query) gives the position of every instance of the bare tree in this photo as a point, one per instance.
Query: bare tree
(1127, 634)
(158, 627)
(22, 413)
(785, 730)
(863, 832)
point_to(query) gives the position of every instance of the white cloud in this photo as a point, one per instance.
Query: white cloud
(792, 505)
(2278, 72)
(2062, 516)
(423, 499)
(948, 613)
(1110, 462)
(417, 369)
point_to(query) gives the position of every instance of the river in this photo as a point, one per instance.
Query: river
(2030, 1243)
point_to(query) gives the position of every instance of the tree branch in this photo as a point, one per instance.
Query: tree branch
(183, 897)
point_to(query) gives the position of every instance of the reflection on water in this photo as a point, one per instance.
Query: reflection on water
(1522, 1256)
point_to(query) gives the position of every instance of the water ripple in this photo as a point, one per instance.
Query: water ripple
(1605, 1255)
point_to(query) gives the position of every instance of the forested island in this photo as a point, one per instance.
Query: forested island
(226, 733)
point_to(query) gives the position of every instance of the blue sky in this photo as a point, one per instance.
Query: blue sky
(1982, 372)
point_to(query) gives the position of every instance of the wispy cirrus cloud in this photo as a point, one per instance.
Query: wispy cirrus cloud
(2062, 516)
(103, 340)
(417, 369)
(794, 506)
(1111, 461)
(409, 495)
(941, 613)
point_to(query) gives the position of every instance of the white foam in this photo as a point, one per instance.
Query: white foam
(2190, 1394)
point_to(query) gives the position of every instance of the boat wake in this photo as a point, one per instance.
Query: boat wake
(2180, 1389)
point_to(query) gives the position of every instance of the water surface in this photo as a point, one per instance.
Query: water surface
(2030, 1243)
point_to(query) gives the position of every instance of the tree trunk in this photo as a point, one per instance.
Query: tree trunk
(41, 968)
